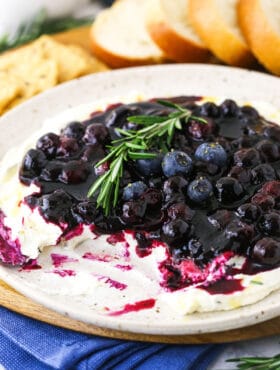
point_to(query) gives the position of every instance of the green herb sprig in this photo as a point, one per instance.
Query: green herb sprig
(257, 363)
(38, 26)
(134, 145)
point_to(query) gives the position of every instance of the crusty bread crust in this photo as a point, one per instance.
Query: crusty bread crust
(175, 45)
(217, 35)
(115, 59)
(260, 34)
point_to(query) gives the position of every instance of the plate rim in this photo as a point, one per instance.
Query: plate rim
(39, 100)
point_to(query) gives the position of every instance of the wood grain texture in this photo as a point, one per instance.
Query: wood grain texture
(13, 300)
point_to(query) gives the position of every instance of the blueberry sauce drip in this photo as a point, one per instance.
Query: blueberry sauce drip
(216, 189)
(9, 249)
(135, 307)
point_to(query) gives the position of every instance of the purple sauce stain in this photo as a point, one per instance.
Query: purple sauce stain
(119, 238)
(187, 273)
(77, 231)
(113, 283)
(9, 249)
(116, 238)
(31, 265)
(64, 273)
(126, 254)
(249, 268)
(144, 252)
(135, 307)
(60, 259)
(224, 286)
(123, 267)
(95, 257)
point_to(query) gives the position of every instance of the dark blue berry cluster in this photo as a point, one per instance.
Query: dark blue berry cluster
(215, 188)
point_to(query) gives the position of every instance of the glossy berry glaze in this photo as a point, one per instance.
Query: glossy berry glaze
(226, 202)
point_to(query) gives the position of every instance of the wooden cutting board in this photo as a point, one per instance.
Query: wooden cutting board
(13, 300)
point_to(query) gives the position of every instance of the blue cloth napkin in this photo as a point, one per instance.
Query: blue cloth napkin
(32, 345)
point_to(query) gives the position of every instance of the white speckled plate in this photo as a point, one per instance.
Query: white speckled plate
(166, 80)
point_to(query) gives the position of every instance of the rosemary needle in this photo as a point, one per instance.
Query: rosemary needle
(257, 363)
(133, 145)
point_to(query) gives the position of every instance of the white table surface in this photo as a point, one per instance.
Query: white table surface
(253, 348)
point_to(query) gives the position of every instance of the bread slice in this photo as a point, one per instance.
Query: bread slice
(260, 23)
(216, 23)
(168, 25)
(119, 36)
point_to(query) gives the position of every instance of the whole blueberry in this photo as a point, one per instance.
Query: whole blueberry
(242, 174)
(32, 165)
(174, 184)
(266, 251)
(247, 157)
(74, 130)
(248, 111)
(96, 133)
(249, 212)
(272, 132)
(152, 198)
(240, 234)
(175, 230)
(85, 212)
(269, 151)
(211, 153)
(229, 108)
(49, 144)
(74, 172)
(133, 211)
(93, 153)
(262, 173)
(201, 130)
(68, 147)
(209, 109)
(265, 201)
(51, 171)
(229, 189)
(56, 206)
(272, 188)
(134, 190)
(180, 210)
(176, 163)
(150, 167)
(270, 223)
(221, 218)
(200, 190)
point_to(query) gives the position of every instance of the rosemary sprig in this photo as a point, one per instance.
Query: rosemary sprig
(38, 26)
(133, 145)
(257, 363)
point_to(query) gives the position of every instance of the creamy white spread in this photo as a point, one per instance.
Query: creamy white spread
(110, 275)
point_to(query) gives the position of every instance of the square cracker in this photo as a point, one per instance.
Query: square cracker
(71, 64)
(94, 64)
(31, 69)
(10, 88)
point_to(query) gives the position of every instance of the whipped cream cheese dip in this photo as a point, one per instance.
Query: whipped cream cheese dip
(106, 272)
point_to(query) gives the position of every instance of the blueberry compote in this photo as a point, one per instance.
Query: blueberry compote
(214, 190)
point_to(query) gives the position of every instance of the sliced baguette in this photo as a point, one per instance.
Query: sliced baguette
(119, 36)
(168, 25)
(260, 23)
(216, 23)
